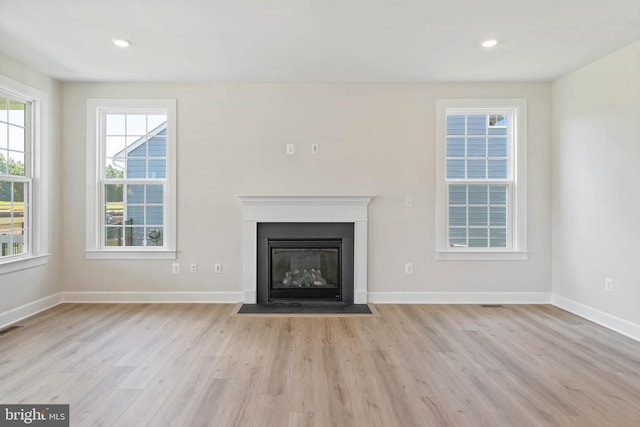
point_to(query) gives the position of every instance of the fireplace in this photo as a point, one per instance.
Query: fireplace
(305, 262)
(262, 209)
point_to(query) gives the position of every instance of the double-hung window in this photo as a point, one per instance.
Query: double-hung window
(23, 232)
(132, 212)
(481, 179)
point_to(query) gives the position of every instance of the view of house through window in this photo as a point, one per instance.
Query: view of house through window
(134, 148)
(478, 179)
(15, 179)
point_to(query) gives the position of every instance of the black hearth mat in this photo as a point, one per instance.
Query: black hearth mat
(306, 307)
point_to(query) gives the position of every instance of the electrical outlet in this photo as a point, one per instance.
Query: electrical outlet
(315, 148)
(291, 149)
(217, 268)
(408, 268)
(175, 268)
(193, 268)
(608, 284)
(408, 202)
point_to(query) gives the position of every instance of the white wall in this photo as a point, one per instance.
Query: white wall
(596, 199)
(26, 286)
(374, 139)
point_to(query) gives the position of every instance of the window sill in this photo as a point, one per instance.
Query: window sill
(22, 263)
(131, 254)
(482, 256)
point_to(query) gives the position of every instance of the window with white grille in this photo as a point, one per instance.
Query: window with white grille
(134, 177)
(24, 162)
(481, 188)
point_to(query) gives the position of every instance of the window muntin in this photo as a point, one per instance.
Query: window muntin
(15, 175)
(133, 178)
(478, 176)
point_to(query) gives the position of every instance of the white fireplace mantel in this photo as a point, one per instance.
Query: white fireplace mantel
(256, 209)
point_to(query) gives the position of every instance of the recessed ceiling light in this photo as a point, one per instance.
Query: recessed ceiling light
(489, 43)
(120, 42)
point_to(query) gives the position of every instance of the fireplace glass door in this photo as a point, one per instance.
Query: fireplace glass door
(304, 269)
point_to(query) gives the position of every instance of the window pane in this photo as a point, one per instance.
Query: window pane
(16, 163)
(136, 168)
(478, 238)
(455, 169)
(498, 169)
(158, 147)
(157, 168)
(477, 147)
(136, 124)
(18, 192)
(498, 238)
(498, 194)
(457, 194)
(138, 148)
(4, 116)
(476, 169)
(455, 125)
(154, 215)
(114, 146)
(476, 125)
(497, 147)
(136, 236)
(135, 215)
(455, 147)
(498, 215)
(478, 216)
(457, 216)
(4, 137)
(135, 193)
(457, 236)
(16, 138)
(115, 124)
(17, 113)
(6, 188)
(114, 236)
(113, 193)
(155, 236)
(113, 213)
(477, 194)
(155, 120)
(154, 194)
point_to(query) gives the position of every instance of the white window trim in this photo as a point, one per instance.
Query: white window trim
(518, 251)
(39, 209)
(93, 207)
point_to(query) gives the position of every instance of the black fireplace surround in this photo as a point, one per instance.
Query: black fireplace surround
(302, 262)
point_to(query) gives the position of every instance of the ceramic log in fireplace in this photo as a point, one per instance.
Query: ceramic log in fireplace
(305, 262)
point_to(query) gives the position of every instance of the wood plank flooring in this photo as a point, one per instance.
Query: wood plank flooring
(414, 365)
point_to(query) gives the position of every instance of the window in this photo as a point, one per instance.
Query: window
(481, 179)
(133, 157)
(23, 240)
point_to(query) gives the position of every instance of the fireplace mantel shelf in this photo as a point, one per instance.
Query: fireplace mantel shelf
(291, 200)
(304, 208)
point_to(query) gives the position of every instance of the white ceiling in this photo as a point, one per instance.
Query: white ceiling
(314, 40)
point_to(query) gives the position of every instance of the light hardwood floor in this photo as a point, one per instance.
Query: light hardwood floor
(415, 365)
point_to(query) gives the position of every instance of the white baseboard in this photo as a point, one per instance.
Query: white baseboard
(27, 310)
(152, 297)
(614, 323)
(459, 297)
